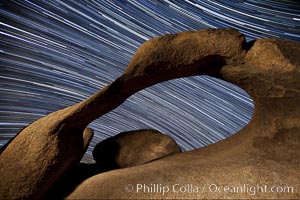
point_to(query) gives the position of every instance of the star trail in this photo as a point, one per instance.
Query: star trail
(56, 53)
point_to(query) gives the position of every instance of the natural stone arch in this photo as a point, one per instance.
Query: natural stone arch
(264, 153)
(220, 53)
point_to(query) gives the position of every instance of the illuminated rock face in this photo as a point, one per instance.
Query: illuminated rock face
(264, 154)
(133, 148)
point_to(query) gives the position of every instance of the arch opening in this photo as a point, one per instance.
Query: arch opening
(196, 111)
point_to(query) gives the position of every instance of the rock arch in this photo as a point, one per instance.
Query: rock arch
(268, 71)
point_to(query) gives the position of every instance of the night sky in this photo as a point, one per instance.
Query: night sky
(56, 53)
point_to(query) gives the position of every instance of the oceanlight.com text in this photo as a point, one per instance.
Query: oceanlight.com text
(211, 188)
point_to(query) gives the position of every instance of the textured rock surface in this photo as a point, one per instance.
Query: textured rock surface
(37, 157)
(133, 148)
(126, 149)
(265, 152)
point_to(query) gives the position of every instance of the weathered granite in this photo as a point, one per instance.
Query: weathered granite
(132, 148)
(263, 154)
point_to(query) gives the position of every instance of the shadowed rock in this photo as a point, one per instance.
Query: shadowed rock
(126, 149)
(269, 72)
(133, 148)
(71, 179)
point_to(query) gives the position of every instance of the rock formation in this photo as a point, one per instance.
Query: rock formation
(71, 179)
(133, 148)
(264, 153)
(126, 149)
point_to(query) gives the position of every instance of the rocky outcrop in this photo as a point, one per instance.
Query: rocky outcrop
(261, 161)
(126, 149)
(38, 156)
(264, 153)
(71, 179)
(133, 148)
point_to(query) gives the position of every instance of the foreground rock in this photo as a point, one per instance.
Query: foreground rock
(133, 148)
(264, 153)
(259, 162)
(71, 179)
(126, 149)
(37, 157)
